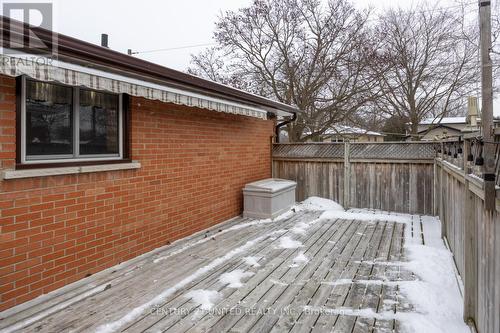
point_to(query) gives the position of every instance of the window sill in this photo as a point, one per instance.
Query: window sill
(45, 172)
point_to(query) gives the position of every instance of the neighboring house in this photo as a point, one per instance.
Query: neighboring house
(341, 133)
(436, 128)
(105, 157)
(448, 127)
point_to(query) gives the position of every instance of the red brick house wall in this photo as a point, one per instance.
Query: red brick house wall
(58, 229)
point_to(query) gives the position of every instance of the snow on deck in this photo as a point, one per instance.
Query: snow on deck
(317, 268)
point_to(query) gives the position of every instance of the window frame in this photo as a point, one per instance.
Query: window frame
(75, 159)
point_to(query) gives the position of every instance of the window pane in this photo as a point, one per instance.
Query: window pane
(49, 125)
(98, 123)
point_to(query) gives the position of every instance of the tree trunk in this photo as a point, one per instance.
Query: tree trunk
(414, 130)
(293, 136)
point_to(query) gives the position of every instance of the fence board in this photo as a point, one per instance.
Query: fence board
(394, 177)
(322, 179)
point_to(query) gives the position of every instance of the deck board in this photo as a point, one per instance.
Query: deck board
(264, 294)
(269, 251)
(352, 265)
(289, 294)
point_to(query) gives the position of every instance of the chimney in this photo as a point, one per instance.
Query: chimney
(104, 40)
(472, 111)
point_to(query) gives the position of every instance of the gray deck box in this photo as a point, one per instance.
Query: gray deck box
(268, 198)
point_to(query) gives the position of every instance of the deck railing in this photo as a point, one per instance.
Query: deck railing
(454, 152)
(471, 231)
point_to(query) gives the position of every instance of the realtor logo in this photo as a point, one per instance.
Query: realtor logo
(30, 38)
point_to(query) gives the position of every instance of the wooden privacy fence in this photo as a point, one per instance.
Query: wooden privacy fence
(473, 235)
(389, 176)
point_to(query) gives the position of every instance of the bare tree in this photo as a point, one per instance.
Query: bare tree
(495, 27)
(208, 64)
(495, 53)
(430, 63)
(214, 64)
(302, 52)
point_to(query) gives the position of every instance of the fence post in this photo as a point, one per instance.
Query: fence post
(442, 193)
(435, 190)
(470, 245)
(347, 174)
(470, 254)
(466, 152)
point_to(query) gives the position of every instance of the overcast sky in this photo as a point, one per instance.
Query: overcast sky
(157, 24)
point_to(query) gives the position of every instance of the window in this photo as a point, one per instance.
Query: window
(49, 120)
(99, 123)
(69, 124)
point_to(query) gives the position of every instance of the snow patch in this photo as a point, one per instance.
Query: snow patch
(205, 298)
(273, 281)
(380, 263)
(376, 282)
(300, 228)
(436, 295)
(337, 282)
(288, 243)
(300, 258)
(317, 203)
(252, 261)
(333, 215)
(233, 279)
(390, 302)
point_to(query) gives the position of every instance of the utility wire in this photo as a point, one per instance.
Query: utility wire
(174, 48)
(369, 20)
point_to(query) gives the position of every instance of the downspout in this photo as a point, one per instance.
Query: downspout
(283, 123)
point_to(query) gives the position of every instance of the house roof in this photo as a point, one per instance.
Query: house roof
(438, 126)
(444, 120)
(82, 53)
(342, 129)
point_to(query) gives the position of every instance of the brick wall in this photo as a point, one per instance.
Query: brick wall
(59, 229)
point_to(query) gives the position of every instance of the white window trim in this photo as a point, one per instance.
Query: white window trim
(75, 157)
(68, 170)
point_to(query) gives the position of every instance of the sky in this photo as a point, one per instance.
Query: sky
(158, 24)
(164, 24)
(146, 25)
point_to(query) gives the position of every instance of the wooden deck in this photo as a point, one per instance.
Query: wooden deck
(353, 269)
